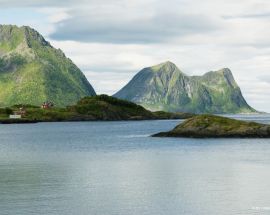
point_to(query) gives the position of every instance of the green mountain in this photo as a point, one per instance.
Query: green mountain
(32, 71)
(165, 87)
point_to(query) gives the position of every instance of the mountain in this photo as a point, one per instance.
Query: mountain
(32, 71)
(165, 87)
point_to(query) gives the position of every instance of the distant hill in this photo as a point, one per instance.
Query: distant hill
(32, 71)
(104, 107)
(91, 108)
(165, 87)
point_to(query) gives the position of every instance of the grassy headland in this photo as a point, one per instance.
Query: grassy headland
(92, 108)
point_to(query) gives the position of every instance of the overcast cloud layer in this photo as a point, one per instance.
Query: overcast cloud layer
(111, 40)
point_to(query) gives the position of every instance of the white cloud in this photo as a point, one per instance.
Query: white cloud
(114, 39)
(34, 3)
(55, 15)
(110, 81)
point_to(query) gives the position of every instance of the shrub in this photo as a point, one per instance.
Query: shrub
(8, 111)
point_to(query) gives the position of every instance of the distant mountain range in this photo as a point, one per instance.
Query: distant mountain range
(32, 71)
(165, 87)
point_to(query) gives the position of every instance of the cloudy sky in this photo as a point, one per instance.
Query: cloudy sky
(111, 40)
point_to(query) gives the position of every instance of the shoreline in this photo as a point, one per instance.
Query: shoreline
(26, 121)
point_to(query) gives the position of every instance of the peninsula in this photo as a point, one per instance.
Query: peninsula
(92, 108)
(211, 126)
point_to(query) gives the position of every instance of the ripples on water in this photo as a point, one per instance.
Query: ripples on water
(115, 168)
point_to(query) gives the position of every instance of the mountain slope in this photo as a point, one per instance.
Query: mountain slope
(165, 87)
(32, 71)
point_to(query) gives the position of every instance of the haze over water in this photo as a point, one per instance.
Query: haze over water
(115, 168)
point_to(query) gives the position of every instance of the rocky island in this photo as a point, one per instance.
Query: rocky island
(211, 126)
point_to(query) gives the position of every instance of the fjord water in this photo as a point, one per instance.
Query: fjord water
(116, 168)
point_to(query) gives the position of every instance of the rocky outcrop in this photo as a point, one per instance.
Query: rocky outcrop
(210, 126)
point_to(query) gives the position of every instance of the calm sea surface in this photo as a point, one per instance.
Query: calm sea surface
(115, 168)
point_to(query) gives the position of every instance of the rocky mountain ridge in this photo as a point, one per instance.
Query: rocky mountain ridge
(165, 87)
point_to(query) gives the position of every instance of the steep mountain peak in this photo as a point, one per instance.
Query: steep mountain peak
(222, 74)
(166, 64)
(165, 67)
(32, 35)
(12, 37)
(8, 27)
(165, 87)
(225, 72)
(32, 71)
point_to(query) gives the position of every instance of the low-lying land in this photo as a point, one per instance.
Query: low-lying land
(207, 126)
(92, 108)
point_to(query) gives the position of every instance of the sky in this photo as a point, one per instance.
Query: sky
(112, 40)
